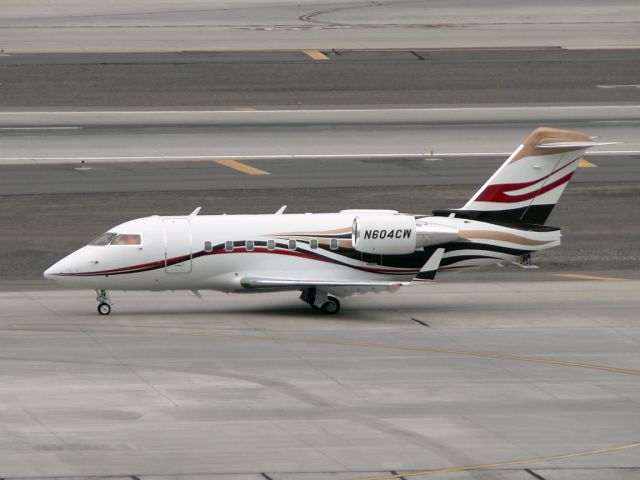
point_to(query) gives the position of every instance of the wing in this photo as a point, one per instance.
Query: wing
(343, 287)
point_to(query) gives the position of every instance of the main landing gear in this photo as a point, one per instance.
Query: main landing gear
(320, 300)
(104, 302)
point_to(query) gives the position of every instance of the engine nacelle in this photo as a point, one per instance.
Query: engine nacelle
(384, 234)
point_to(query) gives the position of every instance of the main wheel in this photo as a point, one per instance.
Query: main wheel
(104, 309)
(331, 306)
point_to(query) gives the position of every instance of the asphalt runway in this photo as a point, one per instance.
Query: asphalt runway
(50, 210)
(352, 77)
(193, 25)
(493, 381)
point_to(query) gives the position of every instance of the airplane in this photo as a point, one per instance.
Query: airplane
(328, 256)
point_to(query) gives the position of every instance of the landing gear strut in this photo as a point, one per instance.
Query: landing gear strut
(104, 302)
(320, 300)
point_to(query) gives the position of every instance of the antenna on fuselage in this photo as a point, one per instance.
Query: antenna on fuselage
(281, 210)
(195, 212)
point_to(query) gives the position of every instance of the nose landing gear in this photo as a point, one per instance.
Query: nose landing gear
(104, 302)
(320, 300)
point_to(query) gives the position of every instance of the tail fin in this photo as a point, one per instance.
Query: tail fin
(529, 184)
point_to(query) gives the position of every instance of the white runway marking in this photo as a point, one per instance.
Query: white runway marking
(618, 86)
(41, 128)
(191, 112)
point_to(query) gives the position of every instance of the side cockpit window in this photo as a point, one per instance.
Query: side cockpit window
(112, 238)
(127, 239)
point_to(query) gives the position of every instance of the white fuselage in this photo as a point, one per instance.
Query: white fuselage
(193, 252)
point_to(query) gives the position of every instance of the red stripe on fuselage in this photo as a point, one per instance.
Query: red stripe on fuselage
(294, 253)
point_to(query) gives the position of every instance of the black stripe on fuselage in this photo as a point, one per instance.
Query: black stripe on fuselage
(533, 215)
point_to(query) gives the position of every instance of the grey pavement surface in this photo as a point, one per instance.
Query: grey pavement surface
(194, 25)
(393, 77)
(170, 385)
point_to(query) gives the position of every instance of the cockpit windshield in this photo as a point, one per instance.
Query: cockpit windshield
(112, 238)
(104, 239)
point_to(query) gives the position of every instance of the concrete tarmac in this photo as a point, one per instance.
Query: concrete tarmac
(35, 137)
(193, 25)
(529, 379)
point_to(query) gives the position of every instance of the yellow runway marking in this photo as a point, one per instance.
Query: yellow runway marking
(524, 461)
(241, 167)
(586, 164)
(316, 54)
(244, 109)
(588, 277)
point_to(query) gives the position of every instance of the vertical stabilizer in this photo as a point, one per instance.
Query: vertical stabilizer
(529, 184)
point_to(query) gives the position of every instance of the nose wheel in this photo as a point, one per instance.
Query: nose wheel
(104, 302)
(104, 309)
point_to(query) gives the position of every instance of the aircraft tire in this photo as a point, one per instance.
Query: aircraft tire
(331, 307)
(104, 309)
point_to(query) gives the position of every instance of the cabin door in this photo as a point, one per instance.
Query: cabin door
(177, 243)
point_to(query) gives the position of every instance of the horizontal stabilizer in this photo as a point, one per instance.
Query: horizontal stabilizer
(575, 144)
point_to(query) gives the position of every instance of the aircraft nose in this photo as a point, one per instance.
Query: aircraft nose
(50, 273)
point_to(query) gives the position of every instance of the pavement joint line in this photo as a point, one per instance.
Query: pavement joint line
(485, 466)
(534, 474)
(394, 472)
(579, 276)
(241, 167)
(586, 164)
(315, 54)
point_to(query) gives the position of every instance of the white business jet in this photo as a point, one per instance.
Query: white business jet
(328, 256)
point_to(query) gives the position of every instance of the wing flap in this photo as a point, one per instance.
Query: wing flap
(270, 282)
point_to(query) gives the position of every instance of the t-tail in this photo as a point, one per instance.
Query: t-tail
(527, 186)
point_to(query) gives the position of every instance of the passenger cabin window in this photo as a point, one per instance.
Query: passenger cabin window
(127, 239)
(334, 244)
(249, 245)
(292, 244)
(104, 239)
(228, 246)
(271, 244)
(207, 246)
(313, 244)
